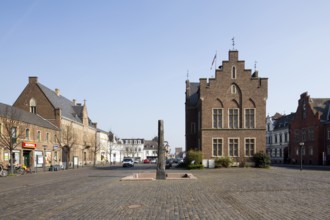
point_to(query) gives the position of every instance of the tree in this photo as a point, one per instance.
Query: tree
(95, 148)
(68, 139)
(12, 133)
(261, 160)
(113, 145)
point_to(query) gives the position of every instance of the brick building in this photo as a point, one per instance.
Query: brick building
(225, 115)
(32, 138)
(310, 131)
(78, 134)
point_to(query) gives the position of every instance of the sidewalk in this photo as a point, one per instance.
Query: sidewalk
(304, 167)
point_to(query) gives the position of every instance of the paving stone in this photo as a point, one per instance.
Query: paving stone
(235, 193)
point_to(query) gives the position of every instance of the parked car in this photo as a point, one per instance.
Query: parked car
(168, 164)
(128, 162)
(153, 161)
(179, 160)
(146, 161)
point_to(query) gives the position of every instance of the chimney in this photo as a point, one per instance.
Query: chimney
(33, 79)
(57, 91)
(74, 102)
(255, 74)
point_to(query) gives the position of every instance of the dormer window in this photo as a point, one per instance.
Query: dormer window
(33, 106)
(233, 72)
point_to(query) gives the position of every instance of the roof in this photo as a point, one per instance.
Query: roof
(322, 106)
(8, 111)
(69, 109)
(151, 145)
(283, 121)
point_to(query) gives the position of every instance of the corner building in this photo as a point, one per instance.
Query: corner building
(225, 115)
(310, 131)
(70, 117)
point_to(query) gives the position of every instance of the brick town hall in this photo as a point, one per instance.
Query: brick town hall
(225, 115)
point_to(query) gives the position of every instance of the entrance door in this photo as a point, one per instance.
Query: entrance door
(26, 156)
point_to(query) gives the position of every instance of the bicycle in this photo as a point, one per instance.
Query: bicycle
(19, 169)
(3, 172)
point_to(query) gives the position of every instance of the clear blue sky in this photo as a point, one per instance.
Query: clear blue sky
(129, 59)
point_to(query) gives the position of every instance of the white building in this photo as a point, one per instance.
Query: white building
(277, 137)
(103, 143)
(133, 147)
(116, 151)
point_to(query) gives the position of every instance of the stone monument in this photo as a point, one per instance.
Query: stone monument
(160, 174)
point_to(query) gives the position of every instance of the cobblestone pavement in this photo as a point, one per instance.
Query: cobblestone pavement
(235, 193)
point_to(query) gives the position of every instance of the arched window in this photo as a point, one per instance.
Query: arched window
(33, 106)
(233, 89)
(233, 72)
(39, 136)
(27, 134)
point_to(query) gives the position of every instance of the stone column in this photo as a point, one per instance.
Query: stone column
(160, 175)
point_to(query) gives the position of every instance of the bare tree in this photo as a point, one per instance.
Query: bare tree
(68, 139)
(95, 148)
(13, 132)
(113, 145)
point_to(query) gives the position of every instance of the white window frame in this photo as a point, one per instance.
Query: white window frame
(233, 72)
(254, 146)
(27, 136)
(311, 151)
(233, 89)
(39, 136)
(33, 106)
(233, 118)
(217, 138)
(217, 125)
(238, 146)
(254, 117)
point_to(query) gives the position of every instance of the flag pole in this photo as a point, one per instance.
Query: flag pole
(215, 63)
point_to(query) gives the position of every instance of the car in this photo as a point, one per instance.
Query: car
(146, 161)
(153, 161)
(168, 164)
(128, 162)
(178, 160)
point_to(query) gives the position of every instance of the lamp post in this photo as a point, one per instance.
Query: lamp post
(301, 147)
(44, 161)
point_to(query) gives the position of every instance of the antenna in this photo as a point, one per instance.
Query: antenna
(255, 65)
(233, 40)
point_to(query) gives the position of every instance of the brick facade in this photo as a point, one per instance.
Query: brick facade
(310, 128)
(63, 113)
(36, 142)
(230, 108)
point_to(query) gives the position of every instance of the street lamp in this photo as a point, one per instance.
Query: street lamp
(301, 144)
(44, 161)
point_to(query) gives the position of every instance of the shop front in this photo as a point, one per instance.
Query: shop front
(28, 157)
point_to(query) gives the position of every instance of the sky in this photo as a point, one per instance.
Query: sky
(129, 59)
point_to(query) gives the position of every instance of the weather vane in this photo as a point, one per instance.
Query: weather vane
(233, 39)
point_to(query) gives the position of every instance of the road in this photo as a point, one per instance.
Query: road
(234, 193)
